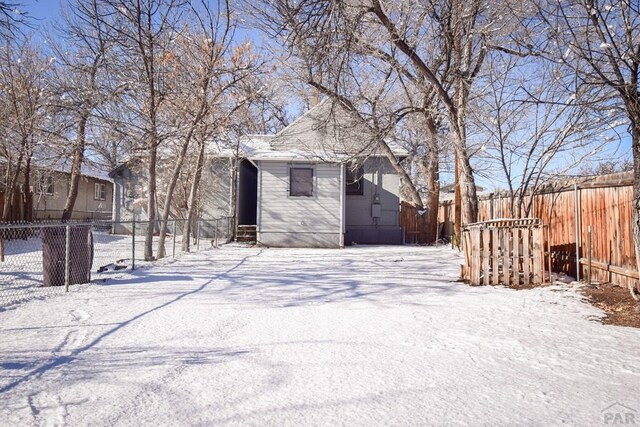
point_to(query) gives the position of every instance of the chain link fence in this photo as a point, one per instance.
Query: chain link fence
(39, 259)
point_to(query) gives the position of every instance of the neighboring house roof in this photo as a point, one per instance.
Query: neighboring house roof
(65, 168)
(450, 188)
(447, 192)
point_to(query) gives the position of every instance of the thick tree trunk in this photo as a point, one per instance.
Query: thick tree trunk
(76, 169)
(635, 144)
(466, 199)
(11, 188)
(466, 180)
(193, 194)
(457, 202)
(430, 168)
(151, 202)
(468, 190)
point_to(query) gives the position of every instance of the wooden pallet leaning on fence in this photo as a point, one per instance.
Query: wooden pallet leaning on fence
(504, 252)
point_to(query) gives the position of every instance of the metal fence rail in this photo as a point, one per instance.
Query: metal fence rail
(44, 258)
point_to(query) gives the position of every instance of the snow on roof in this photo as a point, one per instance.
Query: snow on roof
(316, 136)
(64, 166)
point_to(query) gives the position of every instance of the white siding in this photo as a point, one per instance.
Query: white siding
(285, 219)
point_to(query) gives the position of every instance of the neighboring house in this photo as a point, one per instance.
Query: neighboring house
(130, 199)
(49, 189)
(319, 183)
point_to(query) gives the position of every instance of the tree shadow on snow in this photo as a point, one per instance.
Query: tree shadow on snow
(60, 361)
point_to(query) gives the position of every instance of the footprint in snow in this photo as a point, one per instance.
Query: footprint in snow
(78, 315)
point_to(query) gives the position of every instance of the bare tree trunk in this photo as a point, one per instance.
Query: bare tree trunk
(415, 196)
(151, 202)
(466, 181)
(469, 195)
(193, 194)
(27, 183)
(430, 167)
(635, 144)
(11, 188)
(457, 203)
(166, 210)
(76, 168)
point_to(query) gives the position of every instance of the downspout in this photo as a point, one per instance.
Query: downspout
(258, 203)
(342, 204)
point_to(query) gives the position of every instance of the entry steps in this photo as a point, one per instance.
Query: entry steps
(246, 234)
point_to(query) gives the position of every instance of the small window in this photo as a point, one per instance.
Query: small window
(45, 185)
(100, 191)
(355, 181)
(301, 182)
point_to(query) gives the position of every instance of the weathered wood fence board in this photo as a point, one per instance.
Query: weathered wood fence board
(414, 225)
(504, 252)
(604, 203)
(21, 208)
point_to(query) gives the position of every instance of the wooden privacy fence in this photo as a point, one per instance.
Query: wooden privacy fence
(21, 208)
(568, 208)
(504, 252)
(413, 223)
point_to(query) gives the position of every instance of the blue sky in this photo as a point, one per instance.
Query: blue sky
(41, 10)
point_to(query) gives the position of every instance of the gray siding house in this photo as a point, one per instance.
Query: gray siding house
(320, 182)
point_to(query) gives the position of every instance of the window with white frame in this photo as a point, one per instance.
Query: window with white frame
(355, 181)
(301, 181)
(45, 185)
(100, 191)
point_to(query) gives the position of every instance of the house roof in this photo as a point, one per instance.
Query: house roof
(326, 132)
(64, 167)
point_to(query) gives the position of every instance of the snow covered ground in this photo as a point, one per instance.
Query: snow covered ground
(361, 336)
(21, 272)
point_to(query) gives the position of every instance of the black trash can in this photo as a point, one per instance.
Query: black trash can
(54, 254)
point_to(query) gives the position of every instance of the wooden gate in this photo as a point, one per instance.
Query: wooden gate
(413, 223)
(504, 252)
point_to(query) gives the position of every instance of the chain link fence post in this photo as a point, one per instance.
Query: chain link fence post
(67, 256)
(175, 231)
(198, 234)
(133, 244)
(215, 233)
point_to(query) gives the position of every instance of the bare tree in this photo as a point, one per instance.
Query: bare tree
(23, 98)
(600, 43)
(205, 61)
(438, 47)
(328, 61)
(12, 18)
(82, 49)
(606, 167)
(145, 31)
(532, 125)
